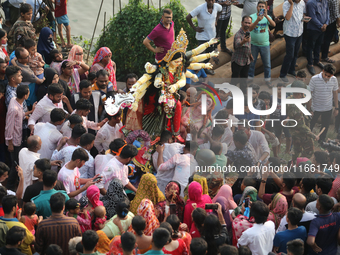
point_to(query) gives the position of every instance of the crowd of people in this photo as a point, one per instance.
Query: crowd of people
(74, 179)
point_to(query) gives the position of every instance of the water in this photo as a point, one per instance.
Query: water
(83, 14)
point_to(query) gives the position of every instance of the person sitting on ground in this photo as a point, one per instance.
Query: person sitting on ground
(14, 239)
(57, 58)
(159, 239)
(281, 239)
(173, 246)
(143, 241)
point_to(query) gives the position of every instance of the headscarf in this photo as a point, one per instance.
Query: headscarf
(114, 194)
(93, 194)
(49, 74)
(74, 81)
(45, 45)
(225, 211)
(147, 188)
(147, 211)
(250, 192)
(278, 208)
(226, 192)
(301, 159)
(177, 199)
(72, 55)
(101, 53)
(201, 180)
(195, 196)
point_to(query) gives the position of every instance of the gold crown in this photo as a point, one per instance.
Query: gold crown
(179, 45)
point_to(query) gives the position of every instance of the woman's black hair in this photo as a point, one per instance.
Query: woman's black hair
(198, 216)
(212, 227)
(2, 33)
(174, 221)
(63, 65)
(122, 208)
(168, 227)
(138, 224)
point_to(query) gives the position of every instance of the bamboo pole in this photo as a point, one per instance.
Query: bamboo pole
(120, 5)
(104, 23)
(113, 8)
(94, 31)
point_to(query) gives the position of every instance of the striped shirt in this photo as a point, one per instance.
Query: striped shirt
(334, 13)
(14, 119)
(57, 229)
(322, 92)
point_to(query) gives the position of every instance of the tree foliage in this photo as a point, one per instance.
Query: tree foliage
(124, 34)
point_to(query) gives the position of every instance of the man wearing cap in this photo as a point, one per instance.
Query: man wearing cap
(302, 136)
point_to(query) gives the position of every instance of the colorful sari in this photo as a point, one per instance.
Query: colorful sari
(101, 53)
(147, 188)
(73, 55)
(172, 194)
(250, 192)
(147, 211)
(73, 83)
(103, 245)
(278, 208)
(116, 248)
(240, 224)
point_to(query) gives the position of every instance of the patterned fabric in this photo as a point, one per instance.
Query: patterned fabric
(12, 92)
(278, 208)
(226, 10)
(98, 222)
(74, 81)
(243, 157)
(172, 194)
(114, 194)
(294, 26)
(250, 192)
(73, 56)
(226, 192)
(102, 53)
(242, 53)
(147, 188)
(19, 29)
(334, 13)
(240, 224)
(147, 211)
(36, 63)
(103, 245)
(116, 248)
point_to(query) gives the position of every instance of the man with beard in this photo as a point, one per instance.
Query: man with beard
(43, 109)
(87, 92)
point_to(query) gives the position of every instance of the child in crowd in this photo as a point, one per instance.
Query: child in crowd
(23, 26)
(60, 13)
(281, 239)
(30, 219)
(159, 239)
(92, 77)
(128, 241)
(99, 218)
(57, 58)
(73, 208)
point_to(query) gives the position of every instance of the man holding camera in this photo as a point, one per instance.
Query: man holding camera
(293, 11)
(241, 58)
(260, 40)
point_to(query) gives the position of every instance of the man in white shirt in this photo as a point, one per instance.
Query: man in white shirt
(184, 164)
(27, 158)
(298, 201)
(109, 132)
(170, 150)
(207, 16)
(49, 133)
(216, 135)
(117, 168)
(44, 107)
(259, 238)
(324, 88)
(68, 126)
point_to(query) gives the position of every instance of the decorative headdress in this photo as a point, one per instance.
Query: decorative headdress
(112, 106)
(179, 45)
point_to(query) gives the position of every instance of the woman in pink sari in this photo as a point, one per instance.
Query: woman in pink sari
(196, 196)
(278, 208)
(102, 60)
(226, 192)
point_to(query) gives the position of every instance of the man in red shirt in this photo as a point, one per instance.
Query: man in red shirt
(60, 13)
(163, 35)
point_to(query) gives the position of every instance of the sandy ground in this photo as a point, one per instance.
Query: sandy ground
(83, 14)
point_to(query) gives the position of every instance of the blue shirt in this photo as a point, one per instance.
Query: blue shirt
(282, 238)
(152, 252)
(201, 73)
(325, 229)
(319, 12)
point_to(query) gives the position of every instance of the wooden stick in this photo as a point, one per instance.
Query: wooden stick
(322, 130)
(113, 8)
(94, 31)
(104, 23)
